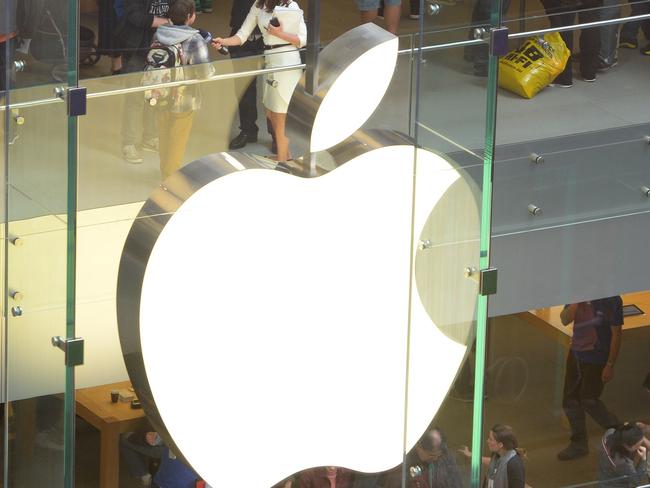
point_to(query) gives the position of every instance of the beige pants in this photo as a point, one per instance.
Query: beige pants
(173, 132)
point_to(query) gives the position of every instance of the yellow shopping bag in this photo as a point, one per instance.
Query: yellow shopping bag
(528, 69)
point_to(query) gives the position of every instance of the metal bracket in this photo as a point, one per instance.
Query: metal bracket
(496, 37)
(73, 349)
(75, 99)
(487, 283)
(499, 41)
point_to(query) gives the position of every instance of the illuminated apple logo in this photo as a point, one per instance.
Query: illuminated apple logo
(268, 320)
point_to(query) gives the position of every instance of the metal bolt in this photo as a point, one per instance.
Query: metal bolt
(534, 209)
(480, 33)
(425, 244)
(536, 158)
(645, 190)
(16, 295)
(647, 139)
(16, 241)
(16, 311)
(433, 9)
(59, 92)
(19, 65)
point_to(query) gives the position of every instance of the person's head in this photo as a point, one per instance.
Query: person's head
(182, 12)
(432, 445)
(502, 438)
(269, 5)
(625, 440)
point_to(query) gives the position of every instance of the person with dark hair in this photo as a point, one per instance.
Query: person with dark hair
(505, 465)
(176, 116)
(596, 340)
(135, 32)
(281, 50)
(431, 465)
(622, 459)
(254, 46)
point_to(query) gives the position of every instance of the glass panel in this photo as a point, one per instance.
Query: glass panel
(455, 109)
(36, 311)
(112, 190)
(569, 218)
(38, 56)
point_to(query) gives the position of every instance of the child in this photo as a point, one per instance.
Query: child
(175, 117)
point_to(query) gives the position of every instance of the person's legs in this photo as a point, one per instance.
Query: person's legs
(630, 30)
(481, 15)
(278, 121)
(607, 56)
(132, 115)
(590, 391)
(176, 133)
(248, 102)
(414, 9)
(589, 40)
(392, 14)
(561, 15)
(571, 402)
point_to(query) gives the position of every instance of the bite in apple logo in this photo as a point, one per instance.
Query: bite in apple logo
(268, 320)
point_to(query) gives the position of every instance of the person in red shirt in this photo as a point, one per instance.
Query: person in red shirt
(327, 477)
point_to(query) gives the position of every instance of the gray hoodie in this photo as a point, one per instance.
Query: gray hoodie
(195, 52)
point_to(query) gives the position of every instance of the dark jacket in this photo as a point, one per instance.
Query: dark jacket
(615, 471)
(135, 31)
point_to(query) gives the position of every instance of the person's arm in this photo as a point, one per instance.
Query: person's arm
(614, 347)
(568, 314)
(242, 34)
(136, 15)
(516, 473)
(464, 450)
(615, 319)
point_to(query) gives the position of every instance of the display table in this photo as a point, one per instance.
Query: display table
(111, 419)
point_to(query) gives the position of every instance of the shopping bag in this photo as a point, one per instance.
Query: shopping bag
(528, 69)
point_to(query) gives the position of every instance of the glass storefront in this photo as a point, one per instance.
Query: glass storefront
(441, 283)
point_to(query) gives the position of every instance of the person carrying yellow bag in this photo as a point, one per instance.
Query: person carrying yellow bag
(533, 66)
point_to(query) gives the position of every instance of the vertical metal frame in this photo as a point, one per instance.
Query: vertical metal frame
(71, 268)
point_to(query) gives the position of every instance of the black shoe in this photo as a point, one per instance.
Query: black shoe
(241, 140)
(573, 451)
(481, 70)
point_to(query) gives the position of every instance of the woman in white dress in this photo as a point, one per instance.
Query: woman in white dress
(281, 50)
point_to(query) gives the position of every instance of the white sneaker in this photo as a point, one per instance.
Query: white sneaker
(131, 154)
(150, 145)
(414, 16)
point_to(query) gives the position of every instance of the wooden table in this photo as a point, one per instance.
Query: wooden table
(111, 419)
(551, 315)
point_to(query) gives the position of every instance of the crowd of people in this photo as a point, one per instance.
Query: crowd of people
(622, 450)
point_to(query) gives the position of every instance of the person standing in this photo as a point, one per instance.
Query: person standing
(281, 49)
(139, 23)
(392, 11)
(505, 465)
(590, 365)
(562, 13)
(254, 46)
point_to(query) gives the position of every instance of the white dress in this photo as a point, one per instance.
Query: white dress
(276, 98)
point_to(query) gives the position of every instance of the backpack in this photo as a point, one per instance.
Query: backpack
(163, 65)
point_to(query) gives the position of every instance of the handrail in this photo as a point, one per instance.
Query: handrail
(257, 72)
